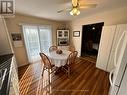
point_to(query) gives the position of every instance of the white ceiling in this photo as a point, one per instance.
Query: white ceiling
(48, 8)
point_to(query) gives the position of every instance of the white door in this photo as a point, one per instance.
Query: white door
(32, 43)
(45, 37)
(37, 39)
(106, 41)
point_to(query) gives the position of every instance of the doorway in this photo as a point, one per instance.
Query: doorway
(91, 35)
(37, 39)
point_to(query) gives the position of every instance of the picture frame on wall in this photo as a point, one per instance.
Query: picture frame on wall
(17, 39)
(16, 36)
(76, 33)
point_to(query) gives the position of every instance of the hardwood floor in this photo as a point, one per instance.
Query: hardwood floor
(90, 59)
(21, 71)
(85, 79)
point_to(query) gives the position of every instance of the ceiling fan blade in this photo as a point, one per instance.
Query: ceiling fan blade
(64, 10)
(87, 6)
(74, 3)
(60, 11)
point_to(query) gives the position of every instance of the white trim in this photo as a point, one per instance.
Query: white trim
(24, 64)
(33, 24)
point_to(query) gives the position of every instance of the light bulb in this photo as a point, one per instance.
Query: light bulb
(75, 11)
(78, 12)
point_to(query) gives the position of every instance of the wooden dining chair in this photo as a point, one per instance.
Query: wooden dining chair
(52, 48)
(70, 60)
(71, 48)
(47, 65)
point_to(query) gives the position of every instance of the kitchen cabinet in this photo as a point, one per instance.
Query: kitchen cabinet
(62, 37)
(10, 81)
(11, 86)
(14, 85)
(109, 40)
(62, 33)
(5, 43)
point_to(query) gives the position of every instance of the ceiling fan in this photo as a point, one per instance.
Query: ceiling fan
(76, 6)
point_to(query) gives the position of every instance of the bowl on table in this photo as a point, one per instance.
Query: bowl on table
(59, 51)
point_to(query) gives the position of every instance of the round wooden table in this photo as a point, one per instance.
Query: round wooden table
(58, 59)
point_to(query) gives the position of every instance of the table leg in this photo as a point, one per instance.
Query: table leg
(58, 69)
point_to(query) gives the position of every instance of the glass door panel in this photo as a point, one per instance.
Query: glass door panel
(32, 43)
(45, 38)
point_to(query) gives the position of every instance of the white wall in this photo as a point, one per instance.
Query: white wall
(14, 27)
(112, 17)
(5, 46)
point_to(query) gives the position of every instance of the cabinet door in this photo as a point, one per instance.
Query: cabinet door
(59, 33)
(119, 30)
(12, 92)
(66, 33)
(62, 33)
(14, 88)
(4, 41)
(106, 41)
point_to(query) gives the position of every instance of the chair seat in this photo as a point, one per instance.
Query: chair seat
(66, 65)
(52, 48)
(47, 65)
(70, 61)
(52, 65)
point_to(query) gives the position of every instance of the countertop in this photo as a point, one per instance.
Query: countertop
(5, 57)
(5, 62)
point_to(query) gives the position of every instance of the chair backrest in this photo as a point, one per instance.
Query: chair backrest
(52, 48)
(45, 60)
(71, 48)
(71, 58)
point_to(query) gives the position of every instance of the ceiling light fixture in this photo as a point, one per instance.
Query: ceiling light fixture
(76, 6)
(93, 28)
(74, 11)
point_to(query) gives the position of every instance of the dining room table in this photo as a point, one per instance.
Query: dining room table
(58, 60)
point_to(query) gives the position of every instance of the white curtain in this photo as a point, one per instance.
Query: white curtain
(37, 39)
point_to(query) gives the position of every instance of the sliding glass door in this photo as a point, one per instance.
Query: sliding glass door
(37, 39)
(45, 38)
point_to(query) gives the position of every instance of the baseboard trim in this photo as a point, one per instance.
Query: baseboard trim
(23, 65)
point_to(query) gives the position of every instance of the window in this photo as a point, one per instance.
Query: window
(45, 38)
(37, 39)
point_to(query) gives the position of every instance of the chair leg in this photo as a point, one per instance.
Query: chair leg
(49, 75)
(43, 71)
(69, 71)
